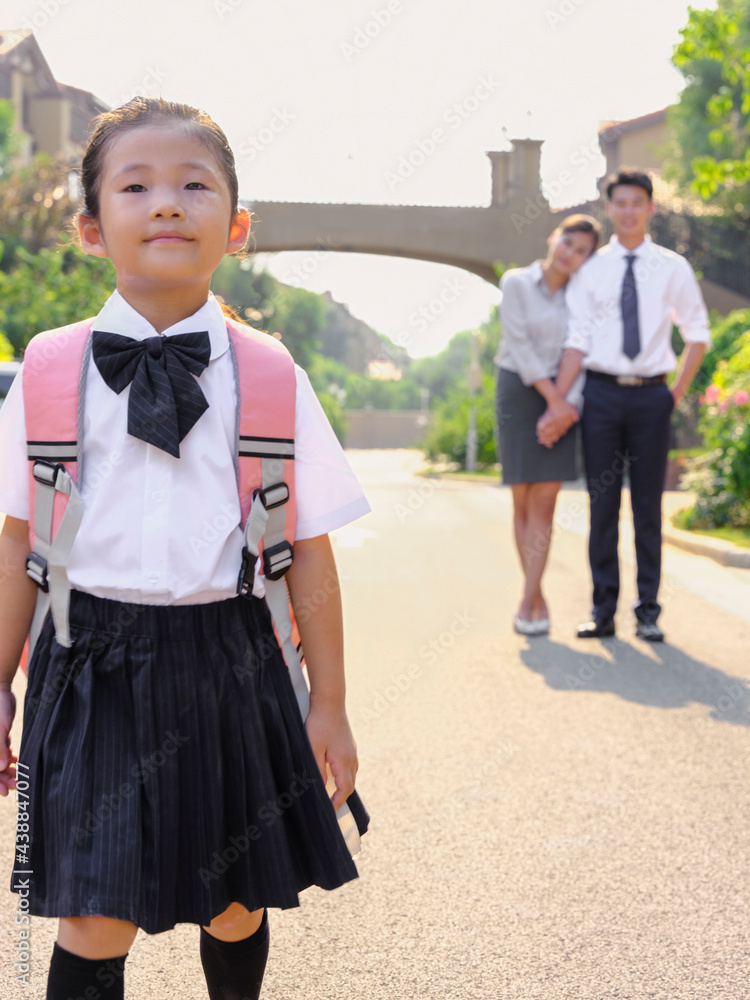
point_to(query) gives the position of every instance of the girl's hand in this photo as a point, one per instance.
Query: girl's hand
(7, 757)
(333, 744)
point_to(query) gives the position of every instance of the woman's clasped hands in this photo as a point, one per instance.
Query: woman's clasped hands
(556, 420)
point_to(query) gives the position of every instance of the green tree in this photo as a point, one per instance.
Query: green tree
(36, 208)
(8, 143)
(446, 438)
(711, 122)
(51, 288)
(6, 349)
(246, 289)
(298, 316)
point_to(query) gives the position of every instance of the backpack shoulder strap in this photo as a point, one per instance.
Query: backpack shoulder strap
(53, 372)
(267, 394)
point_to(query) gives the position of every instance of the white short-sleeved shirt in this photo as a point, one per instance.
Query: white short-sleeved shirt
(164, 530)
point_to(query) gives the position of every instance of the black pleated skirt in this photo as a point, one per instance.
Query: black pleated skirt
(169, 770)
(522, 458)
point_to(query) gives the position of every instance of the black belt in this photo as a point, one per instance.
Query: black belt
(626, 379)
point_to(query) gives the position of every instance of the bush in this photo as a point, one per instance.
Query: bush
(446, 440)
(721, 478)
(335, 413)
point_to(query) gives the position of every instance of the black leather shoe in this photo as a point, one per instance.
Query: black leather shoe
(599, 628)
(649, 631)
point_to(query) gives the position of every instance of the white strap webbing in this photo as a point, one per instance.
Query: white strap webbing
(55, 553)
(277, 599)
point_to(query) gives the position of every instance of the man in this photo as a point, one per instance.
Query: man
(622, 305)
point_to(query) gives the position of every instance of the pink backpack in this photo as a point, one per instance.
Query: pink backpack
(54, 372)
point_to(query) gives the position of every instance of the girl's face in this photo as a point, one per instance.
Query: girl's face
(567, 251)
(165, 217)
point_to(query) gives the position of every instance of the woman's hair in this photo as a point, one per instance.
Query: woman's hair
(581, 224)
(146, 111)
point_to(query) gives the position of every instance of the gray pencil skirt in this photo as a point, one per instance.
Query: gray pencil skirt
(522, 458)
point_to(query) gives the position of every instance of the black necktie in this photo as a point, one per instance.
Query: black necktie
(631, 336)
(165, 400)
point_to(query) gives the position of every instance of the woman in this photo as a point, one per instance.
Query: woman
(534, 319)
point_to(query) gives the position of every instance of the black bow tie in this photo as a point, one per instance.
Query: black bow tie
(165, 400)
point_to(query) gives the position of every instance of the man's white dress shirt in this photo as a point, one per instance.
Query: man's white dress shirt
(164, 530)
(668, 293)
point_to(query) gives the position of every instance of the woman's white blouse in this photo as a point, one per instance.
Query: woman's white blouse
(164, 530)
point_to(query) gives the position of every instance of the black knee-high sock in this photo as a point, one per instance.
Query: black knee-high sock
(73, 976)
(234, 969)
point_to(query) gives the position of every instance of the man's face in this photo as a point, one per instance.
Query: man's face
(630, 208)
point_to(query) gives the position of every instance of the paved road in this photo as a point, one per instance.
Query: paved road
(552, 820)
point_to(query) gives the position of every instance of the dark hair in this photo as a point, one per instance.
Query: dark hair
(144, 111)
(632, 176)
(581, 224)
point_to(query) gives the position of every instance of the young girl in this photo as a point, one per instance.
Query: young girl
(534, 316)
(170, 777)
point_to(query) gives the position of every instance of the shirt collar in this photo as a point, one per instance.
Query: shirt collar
(537, 276)
(118, 316)
(622, 251)
(536, 272)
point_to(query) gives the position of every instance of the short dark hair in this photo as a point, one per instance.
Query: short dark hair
(632, 176)
(582, 224)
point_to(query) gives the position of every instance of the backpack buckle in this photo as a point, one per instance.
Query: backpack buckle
(277, 559)
(46, 472)
(37, 568)
(245, 579)
(272, 496)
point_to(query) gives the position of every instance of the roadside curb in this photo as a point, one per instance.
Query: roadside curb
(720, 551)
(714, 548)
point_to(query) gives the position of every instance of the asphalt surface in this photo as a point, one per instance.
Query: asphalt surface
(552, 819)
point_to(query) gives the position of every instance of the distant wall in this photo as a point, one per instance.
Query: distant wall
(370, 428)
(722, 299)
(641, 147)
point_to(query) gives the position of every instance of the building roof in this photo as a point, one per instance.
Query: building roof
(20, 50)
(9, 39)
(634, 124)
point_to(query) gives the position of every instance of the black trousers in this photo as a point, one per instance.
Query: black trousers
(625, 427)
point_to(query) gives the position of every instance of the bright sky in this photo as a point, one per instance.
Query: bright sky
(319, 101)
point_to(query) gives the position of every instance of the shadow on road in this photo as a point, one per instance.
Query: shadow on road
(667, 678)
